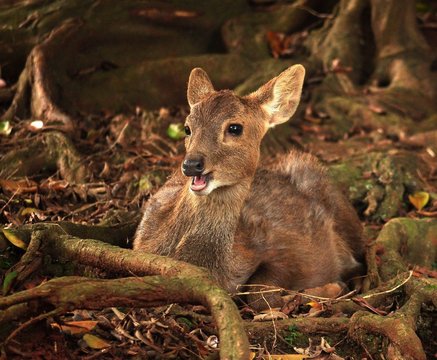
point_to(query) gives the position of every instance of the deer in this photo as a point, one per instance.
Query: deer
(286, 225)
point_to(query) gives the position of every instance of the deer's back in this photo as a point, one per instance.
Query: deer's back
(300, 226)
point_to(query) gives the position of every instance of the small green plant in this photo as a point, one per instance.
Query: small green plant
(292, 334)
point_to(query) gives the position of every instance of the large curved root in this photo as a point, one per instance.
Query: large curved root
(177, 281)
(37, 94)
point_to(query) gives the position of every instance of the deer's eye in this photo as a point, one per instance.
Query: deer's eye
(187, 130)
(235, 129)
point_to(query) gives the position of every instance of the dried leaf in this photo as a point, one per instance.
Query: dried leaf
(376, 108)
(212, 342)
(19, 186)
(36, 125)
(314, 304)
(95, 342)
(275, 41)
(419, 271)
(280, 357)
(14, 239)
(76, 327)
(270, 315)
(419, 199)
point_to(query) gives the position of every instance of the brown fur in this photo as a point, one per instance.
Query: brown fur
(286, 226)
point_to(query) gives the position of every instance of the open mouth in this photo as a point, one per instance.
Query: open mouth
(199, 183)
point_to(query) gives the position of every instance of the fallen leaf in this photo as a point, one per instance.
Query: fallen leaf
(14, 239)
(29, 211)
(5, 128)
(314, 304)
(19, 186)
(419, 271)
(376, 108)
(36, 125)
(76, 327)
(8, 281)
(279, 357)
(212, 342)
(270, 315)
(145, 185)
(419, 199)
(275, 41)
(176, 131)
(95, 342)
(322, 351)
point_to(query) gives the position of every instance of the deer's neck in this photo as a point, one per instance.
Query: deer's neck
(211, 225)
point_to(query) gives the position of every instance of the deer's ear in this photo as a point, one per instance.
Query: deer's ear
(280, 96)
(199, 86)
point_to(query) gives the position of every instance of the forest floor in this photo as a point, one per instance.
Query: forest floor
(366, 112)
(129, 159)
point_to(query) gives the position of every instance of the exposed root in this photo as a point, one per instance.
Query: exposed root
(68, 293)
(50, 151)
(29, 263)
(385, 71)
(404, 343)
(36, 95)
(7, 94)
(178, 282)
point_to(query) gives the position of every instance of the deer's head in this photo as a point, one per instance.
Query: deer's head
(224, 131)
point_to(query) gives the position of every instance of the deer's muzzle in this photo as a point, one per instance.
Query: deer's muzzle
(193, 166)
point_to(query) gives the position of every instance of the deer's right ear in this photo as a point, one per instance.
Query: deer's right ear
(281, 95)
(199, 86)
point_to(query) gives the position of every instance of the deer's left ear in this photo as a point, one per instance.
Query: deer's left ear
(281, 95)
(199, 86)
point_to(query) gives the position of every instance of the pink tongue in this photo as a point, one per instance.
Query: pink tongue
(199, 183)
(199, 180)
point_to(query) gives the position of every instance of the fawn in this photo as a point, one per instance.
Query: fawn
(285, 226)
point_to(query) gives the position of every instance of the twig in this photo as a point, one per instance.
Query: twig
(32, 321)
(390, 290)
(314, 12)
(10, 199)
(326, 299)
(257, 292)
(275, 335)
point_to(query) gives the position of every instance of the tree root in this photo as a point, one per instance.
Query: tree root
(178, 281)
(402, 241)
(36, 94)
(389, 180)
(395, 92)
(51, 151)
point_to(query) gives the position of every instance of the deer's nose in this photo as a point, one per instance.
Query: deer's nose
(193, 166)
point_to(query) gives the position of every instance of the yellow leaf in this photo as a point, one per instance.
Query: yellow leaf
(314, 305)
(14, 239)
(419, 199)
(28, 211)
(95, 342)
(76, 327)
